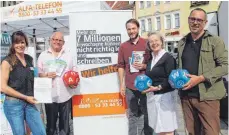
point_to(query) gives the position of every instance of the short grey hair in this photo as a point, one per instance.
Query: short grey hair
(159, 35)
(200, 9)
(54, 34)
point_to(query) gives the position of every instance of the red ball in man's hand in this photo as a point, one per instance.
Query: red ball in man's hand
(71, 78)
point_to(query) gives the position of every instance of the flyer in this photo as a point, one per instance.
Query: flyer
(137, 57)
(43, 90)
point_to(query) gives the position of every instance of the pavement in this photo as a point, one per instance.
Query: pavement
(181, 127)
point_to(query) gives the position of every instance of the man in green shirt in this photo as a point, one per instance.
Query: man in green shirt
(205, 57)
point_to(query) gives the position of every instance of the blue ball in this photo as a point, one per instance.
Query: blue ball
(178, 78)
(142, 82)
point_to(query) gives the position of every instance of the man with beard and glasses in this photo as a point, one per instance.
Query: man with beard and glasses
(136, 102)
(205, 57)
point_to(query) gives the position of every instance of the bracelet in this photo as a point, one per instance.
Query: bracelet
(25, 97)
(159, 87)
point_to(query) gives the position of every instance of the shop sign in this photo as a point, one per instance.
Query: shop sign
(172, 33)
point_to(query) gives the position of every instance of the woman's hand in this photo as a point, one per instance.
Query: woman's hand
(31, 100)
(151, 89)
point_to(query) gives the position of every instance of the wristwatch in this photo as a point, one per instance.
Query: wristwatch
(159, 87)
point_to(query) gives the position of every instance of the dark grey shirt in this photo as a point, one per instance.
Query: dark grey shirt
(22, 78)
(190, 61)
(160, 72)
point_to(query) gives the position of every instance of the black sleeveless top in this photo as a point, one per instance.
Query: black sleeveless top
(22, 78)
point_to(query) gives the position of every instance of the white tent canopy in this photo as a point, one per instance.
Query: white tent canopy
(41, 19)
(41, 27)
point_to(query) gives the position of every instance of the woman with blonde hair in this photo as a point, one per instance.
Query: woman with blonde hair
(160, 103)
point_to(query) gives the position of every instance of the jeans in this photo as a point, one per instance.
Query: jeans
(17, 111)
(136, 103)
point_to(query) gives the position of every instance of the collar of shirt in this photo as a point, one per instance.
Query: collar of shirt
(60, 53)
(190, 39)
(161, 52)
(156, 58)
(135, 42)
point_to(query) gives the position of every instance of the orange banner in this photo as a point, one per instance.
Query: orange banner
(98, 104)
(99, 71)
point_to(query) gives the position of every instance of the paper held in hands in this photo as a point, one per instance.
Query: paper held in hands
(43, 90)
(57, 68)
(137, 57)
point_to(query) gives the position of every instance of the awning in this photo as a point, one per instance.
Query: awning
(41, 19)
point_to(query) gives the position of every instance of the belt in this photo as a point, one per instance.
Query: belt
(11, 98)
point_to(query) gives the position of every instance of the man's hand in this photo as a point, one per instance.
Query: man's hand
(123, 90)
(72, 86)
(194, 80)
(51, 74)
(139, 66)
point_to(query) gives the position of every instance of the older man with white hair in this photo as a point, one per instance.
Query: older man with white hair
(52, 63)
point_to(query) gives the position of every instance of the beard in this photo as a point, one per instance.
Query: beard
(135, 37)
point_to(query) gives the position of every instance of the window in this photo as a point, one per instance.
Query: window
(158, 23)
(149, 24)
(177, 20)
(141, 4)
(19, 2)
(156, 3)
(167, 2)
(4, 4)
(143, 29)
(168, 21)
(148, 4)
(131, 2)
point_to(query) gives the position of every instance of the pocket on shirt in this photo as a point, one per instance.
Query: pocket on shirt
(207, 55)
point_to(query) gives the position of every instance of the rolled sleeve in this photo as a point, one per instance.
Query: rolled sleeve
(121, 61)
(220, 55)
(40, 64)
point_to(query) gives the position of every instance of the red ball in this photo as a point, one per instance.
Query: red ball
(71, 78)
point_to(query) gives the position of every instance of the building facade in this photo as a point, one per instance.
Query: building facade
(170, 18)
(121, 5)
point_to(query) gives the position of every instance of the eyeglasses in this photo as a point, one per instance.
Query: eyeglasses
(56, 40)
(193, 19)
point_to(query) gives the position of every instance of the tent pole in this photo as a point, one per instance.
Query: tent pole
(35, 47)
